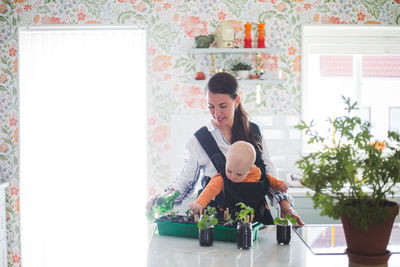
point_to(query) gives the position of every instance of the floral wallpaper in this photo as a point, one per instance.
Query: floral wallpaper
(172, 26)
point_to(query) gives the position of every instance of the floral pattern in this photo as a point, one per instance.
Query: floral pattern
(171, 26)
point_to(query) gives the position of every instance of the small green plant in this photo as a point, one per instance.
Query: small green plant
(189, 212)
(228, 219)
(239, 65)
(172, 214)
(208, 218)
(189, 215)
(285, 221)
(246, 213)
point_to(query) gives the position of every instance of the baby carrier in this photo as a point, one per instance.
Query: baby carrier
(252, 194)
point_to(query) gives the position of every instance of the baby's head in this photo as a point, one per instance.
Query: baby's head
(239, 161)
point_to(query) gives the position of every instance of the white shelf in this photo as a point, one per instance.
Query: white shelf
(238, 50)
(241, 82)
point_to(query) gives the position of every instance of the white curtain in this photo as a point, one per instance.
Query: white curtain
(83, 146)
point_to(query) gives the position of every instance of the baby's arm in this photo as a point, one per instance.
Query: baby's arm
(277, 184)
(213, 188)
(283, 187)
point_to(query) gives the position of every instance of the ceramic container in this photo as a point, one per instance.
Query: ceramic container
(225, 35)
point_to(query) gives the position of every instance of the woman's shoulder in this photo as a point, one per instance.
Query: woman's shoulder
(193, 140)
(254, 128)
(204, 134)
(253, 125)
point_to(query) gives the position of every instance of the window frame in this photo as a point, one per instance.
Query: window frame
(342, 39)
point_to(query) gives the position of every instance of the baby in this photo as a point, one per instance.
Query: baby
(239, 168)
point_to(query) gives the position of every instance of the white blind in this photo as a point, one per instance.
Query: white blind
(350, 39)
(83, 146)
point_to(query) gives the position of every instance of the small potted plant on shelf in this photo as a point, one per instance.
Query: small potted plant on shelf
(284, 228)
(354, 178)
(204, 41)
(242, 69)
(244, 233)
(206, 226)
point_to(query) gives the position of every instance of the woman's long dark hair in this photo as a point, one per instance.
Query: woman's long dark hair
(225, 83)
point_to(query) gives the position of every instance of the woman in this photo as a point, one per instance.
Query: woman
(229, 124)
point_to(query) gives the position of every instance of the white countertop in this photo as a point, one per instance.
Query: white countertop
(181, 251)
(299, 191)
(302, 191)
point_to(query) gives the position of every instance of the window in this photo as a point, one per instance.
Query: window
(357, 61)
(83, 145)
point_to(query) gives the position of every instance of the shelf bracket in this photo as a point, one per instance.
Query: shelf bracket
(213, 62)
(258, 62)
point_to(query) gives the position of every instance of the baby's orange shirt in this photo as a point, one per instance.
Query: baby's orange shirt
(216, 185)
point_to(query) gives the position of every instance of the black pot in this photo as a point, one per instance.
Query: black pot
(283, 234)
(244, 236)
(206, 237)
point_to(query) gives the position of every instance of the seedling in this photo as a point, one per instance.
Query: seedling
(229, 221)
(285, 221)
(189, 214)
(208, 218)
(246, 213)
(172, 214)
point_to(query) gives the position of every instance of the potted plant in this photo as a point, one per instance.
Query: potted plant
(204, 41)
(242, 69)
(206, 226)
(244, 233)
(284, 228)
(353, 179)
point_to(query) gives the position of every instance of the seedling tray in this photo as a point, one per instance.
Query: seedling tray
(222, 233)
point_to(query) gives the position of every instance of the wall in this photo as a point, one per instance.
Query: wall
(171, 26)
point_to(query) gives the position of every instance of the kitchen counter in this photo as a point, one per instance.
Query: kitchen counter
(181, 251)
(304, 206)
(296, 192)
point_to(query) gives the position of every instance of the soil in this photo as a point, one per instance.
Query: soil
(244, 236)
(177, 219)
(186, 220)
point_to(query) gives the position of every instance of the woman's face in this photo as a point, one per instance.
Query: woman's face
(222, 108)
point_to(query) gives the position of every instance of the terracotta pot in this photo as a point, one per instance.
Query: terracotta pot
(367, 247)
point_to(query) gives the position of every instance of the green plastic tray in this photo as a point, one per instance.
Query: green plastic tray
(221, 233)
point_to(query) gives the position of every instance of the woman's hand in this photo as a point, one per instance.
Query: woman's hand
(195, 207)
(151, 201)
(286, 208)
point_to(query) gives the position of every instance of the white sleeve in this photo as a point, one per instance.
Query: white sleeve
(186, 181)
(269, 166)
(274, 195)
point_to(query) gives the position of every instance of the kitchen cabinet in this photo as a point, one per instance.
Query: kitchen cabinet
(3, 234)
(259, 51)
